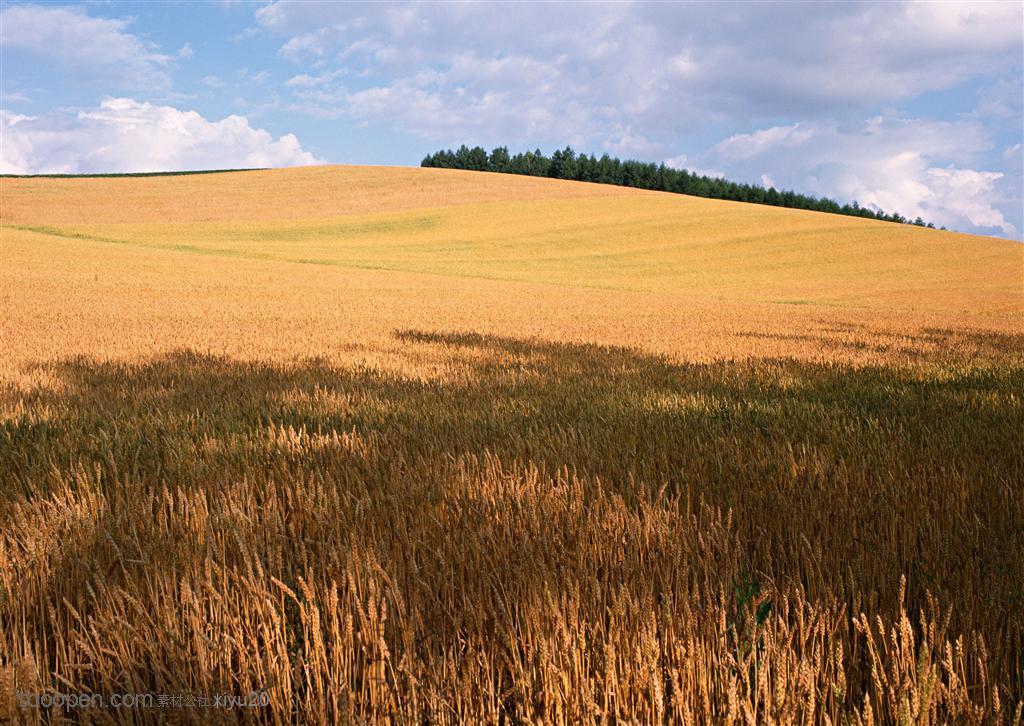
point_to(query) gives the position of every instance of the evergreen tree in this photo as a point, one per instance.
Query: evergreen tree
(566, 164)
(477, 160)
(499, 160)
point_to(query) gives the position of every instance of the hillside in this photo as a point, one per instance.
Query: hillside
(512, 228)
(433, 446)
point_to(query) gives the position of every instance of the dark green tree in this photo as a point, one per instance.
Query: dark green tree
(566, 164)
(499, 160)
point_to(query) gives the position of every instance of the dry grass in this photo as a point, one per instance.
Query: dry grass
(525, 487)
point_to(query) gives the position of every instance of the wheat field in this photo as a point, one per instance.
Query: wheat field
(402, 445)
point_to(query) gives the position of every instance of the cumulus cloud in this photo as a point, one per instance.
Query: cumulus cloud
(124, 135)
(682, 161)
(630, 144)
(659, 68)
(86, 46)
(911, 166)
(474, 98)
(969, 193)
(752, 145)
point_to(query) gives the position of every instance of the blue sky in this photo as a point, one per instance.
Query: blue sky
(912, 107)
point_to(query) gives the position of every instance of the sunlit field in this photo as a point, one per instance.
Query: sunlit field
(422, 445)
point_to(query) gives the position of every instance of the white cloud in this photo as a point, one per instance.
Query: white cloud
(911, 166)
(246, 34)
(95, 48)
(748, 146)
(16, 97)
(684, 162)
(186, 52)
(302, 81)
(123, 135)
(15, 147)
(259, 77)
(969, 193)
(307, 81)
(1002, 100)
(464, 103)
(629, 144)
(548, 60)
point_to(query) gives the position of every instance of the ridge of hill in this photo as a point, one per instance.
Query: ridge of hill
(533, 230)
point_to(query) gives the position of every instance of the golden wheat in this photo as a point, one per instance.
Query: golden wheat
(520, 486)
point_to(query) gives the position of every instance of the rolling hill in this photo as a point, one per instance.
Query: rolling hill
(487, 226)
(433, 446)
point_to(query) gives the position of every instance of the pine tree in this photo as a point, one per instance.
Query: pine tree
(499, 160)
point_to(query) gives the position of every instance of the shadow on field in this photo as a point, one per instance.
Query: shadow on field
(928, 344)
(839, 479)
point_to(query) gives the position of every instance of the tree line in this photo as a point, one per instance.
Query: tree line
(567, 164)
